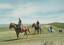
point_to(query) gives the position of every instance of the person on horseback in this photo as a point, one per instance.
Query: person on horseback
(38, 23)
(19, 24)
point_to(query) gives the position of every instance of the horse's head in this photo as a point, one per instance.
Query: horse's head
(12, 25)
(33, 25)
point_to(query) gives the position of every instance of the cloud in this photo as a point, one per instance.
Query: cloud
(23, 11)
(32, 11)
(29, 9)
(6, 6)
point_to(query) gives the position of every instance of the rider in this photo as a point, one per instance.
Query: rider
(19, 23)
(38, 23)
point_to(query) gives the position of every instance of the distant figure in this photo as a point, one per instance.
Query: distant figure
(60, 30)
(50, 29)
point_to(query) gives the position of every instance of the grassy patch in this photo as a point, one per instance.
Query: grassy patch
(8, 37)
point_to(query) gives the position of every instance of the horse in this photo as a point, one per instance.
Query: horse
(24, 29)
(37, 28)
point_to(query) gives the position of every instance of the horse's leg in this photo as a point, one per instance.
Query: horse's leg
(17, 35)
(40, 30)
(37, 31)
(26, 34)
(28, 30)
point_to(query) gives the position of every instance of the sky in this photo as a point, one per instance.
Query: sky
(46, 11)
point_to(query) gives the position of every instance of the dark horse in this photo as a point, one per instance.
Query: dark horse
(18, 30)
(37, 28)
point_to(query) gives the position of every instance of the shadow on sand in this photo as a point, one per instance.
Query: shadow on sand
(9, 40)
(31, 34)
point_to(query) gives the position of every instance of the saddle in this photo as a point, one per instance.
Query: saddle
(23, 29)
(37, 26)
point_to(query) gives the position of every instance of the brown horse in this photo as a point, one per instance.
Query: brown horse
(18, 30)
(37, 28)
